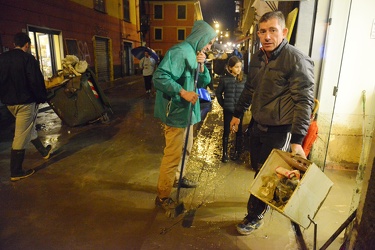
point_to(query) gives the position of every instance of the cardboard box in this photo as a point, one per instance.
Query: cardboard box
(309, 194)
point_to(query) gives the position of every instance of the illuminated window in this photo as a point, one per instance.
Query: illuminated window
(238, 6)
(46, 46)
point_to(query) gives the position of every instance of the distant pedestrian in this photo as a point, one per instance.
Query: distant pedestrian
(237, 53)
(147, 64)
(175, 99)
(228, 92)
(22, 88)
(280, 90)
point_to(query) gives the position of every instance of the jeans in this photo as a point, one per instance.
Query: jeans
(24, 131)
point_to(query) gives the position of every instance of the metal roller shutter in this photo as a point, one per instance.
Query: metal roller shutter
(102, 59)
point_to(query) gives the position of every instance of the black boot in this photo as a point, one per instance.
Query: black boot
(16, 171)
(238, 149)
(225, 157)
(44, 151)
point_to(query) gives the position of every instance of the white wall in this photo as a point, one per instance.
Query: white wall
(348, 62)
(358, 68)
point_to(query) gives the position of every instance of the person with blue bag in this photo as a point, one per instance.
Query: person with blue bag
(228, 92)
(177, 101)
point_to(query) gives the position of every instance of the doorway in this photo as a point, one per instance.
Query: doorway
(127, 62)
(46, 46)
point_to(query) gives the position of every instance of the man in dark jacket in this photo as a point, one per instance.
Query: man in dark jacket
(22, 88)
(280, 92)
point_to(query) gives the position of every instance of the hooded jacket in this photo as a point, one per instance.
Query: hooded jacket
(21, 81)
(176, 71)
(280, 90)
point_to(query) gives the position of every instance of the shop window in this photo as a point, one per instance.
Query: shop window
(158, 11)
(159, 52)
(181, 12)
(158, 34)
(47, 48)
(180, 34)
(99, 5)
(126, 10)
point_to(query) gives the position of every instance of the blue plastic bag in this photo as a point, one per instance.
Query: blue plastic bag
(204, 95)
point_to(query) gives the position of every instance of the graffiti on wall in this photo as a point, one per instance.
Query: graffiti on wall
(78, 48)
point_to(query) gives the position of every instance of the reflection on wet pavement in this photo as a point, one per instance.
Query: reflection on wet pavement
(98, 189)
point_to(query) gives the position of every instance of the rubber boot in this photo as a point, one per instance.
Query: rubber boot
(238, 149)
(44, 151)
(225, 157)
(16, 171)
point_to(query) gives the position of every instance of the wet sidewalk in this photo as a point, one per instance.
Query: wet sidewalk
(97, 191)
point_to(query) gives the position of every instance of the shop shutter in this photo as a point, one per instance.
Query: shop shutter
(102, 59)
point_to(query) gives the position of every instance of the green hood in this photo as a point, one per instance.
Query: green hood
(201, 34)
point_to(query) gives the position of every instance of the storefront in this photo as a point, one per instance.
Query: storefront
(46, 46)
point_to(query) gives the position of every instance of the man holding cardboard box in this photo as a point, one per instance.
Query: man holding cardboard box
(280, 90)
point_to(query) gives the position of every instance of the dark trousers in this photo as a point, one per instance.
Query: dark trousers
(148, 82)
(261, 144)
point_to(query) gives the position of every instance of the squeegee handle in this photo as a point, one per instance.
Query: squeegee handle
(187, 136)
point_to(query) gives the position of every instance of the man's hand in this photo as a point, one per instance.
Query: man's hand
(234, 124)
(297, 150)
(201, 58)
(189, 96)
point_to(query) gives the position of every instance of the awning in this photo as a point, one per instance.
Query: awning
(243, 39)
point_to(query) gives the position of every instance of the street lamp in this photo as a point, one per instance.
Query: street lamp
(217, 26)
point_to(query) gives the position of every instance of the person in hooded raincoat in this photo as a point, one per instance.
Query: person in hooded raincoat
(175, 93)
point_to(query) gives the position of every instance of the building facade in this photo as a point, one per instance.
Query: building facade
(170, 22)
(102, 32)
